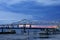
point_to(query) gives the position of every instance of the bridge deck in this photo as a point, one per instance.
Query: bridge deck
(26, 28)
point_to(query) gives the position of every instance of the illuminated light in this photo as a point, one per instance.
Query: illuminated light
(27, 25)
(20, 25)
(44, 26)
(54, 26)
(40, 26)
(23, 25)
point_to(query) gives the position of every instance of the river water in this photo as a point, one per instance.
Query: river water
(31, 34)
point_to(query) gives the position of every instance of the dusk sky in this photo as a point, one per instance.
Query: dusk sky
(15, 10)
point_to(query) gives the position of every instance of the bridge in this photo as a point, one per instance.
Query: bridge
(24, 23)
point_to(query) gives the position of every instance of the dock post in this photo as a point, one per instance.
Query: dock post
(2, 29)
(30, 25)
(47, 31)
(17, 25)
(24, 28)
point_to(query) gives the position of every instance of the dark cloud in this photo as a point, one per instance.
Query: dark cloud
(38, 11)
(32, 8)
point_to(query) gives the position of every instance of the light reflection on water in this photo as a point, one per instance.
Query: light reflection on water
(30, 35)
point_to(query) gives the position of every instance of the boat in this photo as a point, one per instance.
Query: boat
(9, 32)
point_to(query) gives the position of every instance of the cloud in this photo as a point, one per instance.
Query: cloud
(29, 9)
(11, 17)
(41, 2)
(9, 2)
(34, 9)
(49, 2)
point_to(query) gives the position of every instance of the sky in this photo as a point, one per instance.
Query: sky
(15, 10)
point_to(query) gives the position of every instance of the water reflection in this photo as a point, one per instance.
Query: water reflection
(29, 35)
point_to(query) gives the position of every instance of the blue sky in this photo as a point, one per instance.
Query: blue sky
(15, 10)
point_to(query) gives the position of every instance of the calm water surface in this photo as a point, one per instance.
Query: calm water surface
(30, 35)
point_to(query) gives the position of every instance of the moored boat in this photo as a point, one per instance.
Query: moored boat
(9, 32)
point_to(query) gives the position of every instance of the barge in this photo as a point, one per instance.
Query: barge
(8, 32)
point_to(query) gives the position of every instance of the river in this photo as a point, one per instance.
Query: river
(31, 34)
